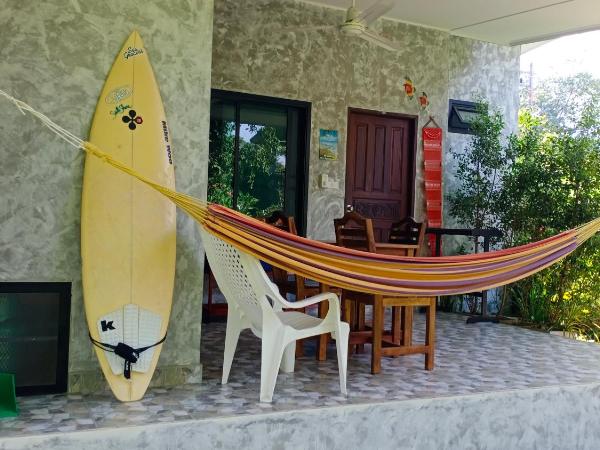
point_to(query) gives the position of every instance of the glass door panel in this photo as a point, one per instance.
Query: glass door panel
(222, 142)
(258, 154)
(262, 160)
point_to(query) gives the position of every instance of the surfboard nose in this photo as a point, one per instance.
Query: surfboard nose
(133, 46)
(134, 40)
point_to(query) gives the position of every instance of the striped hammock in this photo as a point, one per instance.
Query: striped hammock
(352, 269)
(369, 272)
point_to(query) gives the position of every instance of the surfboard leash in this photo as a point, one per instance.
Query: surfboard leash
(128, 353)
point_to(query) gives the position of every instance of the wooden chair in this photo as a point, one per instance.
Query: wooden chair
(351, 232)
(289, 283)
(408, 232)
(355, 231)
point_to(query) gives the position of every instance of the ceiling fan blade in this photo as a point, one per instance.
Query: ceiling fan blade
(379, 40)
(374, 12)
(299, 29)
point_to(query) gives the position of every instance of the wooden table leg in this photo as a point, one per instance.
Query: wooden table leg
(324, 338)
(361, 326)
(430, 335)
(377, 334)
(407, 325)
(396, 325)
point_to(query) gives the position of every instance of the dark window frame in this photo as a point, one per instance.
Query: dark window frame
(455, 124)
(302, 144)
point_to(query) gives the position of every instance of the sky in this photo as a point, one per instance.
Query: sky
(565, 56)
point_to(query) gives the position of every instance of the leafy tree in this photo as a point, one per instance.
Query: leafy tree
(220, 162)
(554, 184)
(480, 167)
(570, 104)
(261, 169)
(540, 182)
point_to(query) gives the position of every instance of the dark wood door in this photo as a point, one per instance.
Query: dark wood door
(380, 168)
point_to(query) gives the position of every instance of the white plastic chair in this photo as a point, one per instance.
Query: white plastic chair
(254, 302)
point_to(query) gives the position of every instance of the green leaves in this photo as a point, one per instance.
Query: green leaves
(480, 168)
(544, 180)
(261, 168)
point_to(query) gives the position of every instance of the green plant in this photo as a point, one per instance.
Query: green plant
(570, 104)
(548, 182)
(553, 184)
(261, 169)
(480, 167)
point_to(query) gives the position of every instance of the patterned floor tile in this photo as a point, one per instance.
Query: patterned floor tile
(469, 359)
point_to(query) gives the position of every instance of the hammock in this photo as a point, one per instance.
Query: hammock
(352, 269)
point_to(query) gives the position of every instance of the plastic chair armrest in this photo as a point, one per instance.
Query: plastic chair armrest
(329, 296)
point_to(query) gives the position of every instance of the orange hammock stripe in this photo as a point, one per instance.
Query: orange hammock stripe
(369, 272)
(405, 270)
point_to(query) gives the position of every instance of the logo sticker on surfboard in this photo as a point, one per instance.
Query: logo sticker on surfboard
(121, 108)
(166, 137)
(132, 119)
(118, 94)
(134, 326)
(132, 51)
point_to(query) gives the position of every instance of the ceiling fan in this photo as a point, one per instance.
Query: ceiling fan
(357, 23)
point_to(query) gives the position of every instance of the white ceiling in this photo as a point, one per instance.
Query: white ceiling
(509, 22)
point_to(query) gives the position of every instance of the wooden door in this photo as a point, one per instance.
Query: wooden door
(380, 168)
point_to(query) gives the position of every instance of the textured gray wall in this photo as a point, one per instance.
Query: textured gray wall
(261, 47)
(55, 55)
(479, 69)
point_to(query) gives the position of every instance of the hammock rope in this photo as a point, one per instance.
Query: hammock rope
(347, 268)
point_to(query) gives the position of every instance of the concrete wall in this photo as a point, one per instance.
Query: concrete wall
(55, 55)
(479, 69)
(294, 50)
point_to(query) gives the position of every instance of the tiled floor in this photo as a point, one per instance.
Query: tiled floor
(469, 359)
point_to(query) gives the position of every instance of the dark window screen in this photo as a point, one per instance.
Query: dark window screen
(34, 335)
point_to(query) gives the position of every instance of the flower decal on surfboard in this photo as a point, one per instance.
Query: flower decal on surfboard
(132, 119)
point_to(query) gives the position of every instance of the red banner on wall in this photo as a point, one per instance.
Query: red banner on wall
(432, 160)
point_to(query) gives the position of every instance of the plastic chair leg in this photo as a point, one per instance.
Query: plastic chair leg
(271, 353)
(234, 327)
(341, 343)
(289, 357)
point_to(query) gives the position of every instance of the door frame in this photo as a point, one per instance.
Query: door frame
(413, 121)
(303, 144)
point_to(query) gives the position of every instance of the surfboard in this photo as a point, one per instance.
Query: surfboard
(127, 229)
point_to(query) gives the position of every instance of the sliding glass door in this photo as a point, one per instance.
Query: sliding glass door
(258, 154)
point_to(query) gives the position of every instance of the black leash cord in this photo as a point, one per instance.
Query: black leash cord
(129, 354)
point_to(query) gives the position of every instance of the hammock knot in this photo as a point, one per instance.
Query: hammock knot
(92, 149)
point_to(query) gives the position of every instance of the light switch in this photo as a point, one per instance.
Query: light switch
(323, 180)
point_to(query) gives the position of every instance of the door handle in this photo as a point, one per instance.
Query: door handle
(349, 208)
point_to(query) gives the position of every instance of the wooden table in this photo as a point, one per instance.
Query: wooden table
(399, 341)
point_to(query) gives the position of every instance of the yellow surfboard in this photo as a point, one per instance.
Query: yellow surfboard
(127, 229)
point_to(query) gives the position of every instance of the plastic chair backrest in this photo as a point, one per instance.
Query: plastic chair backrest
(241, 279)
